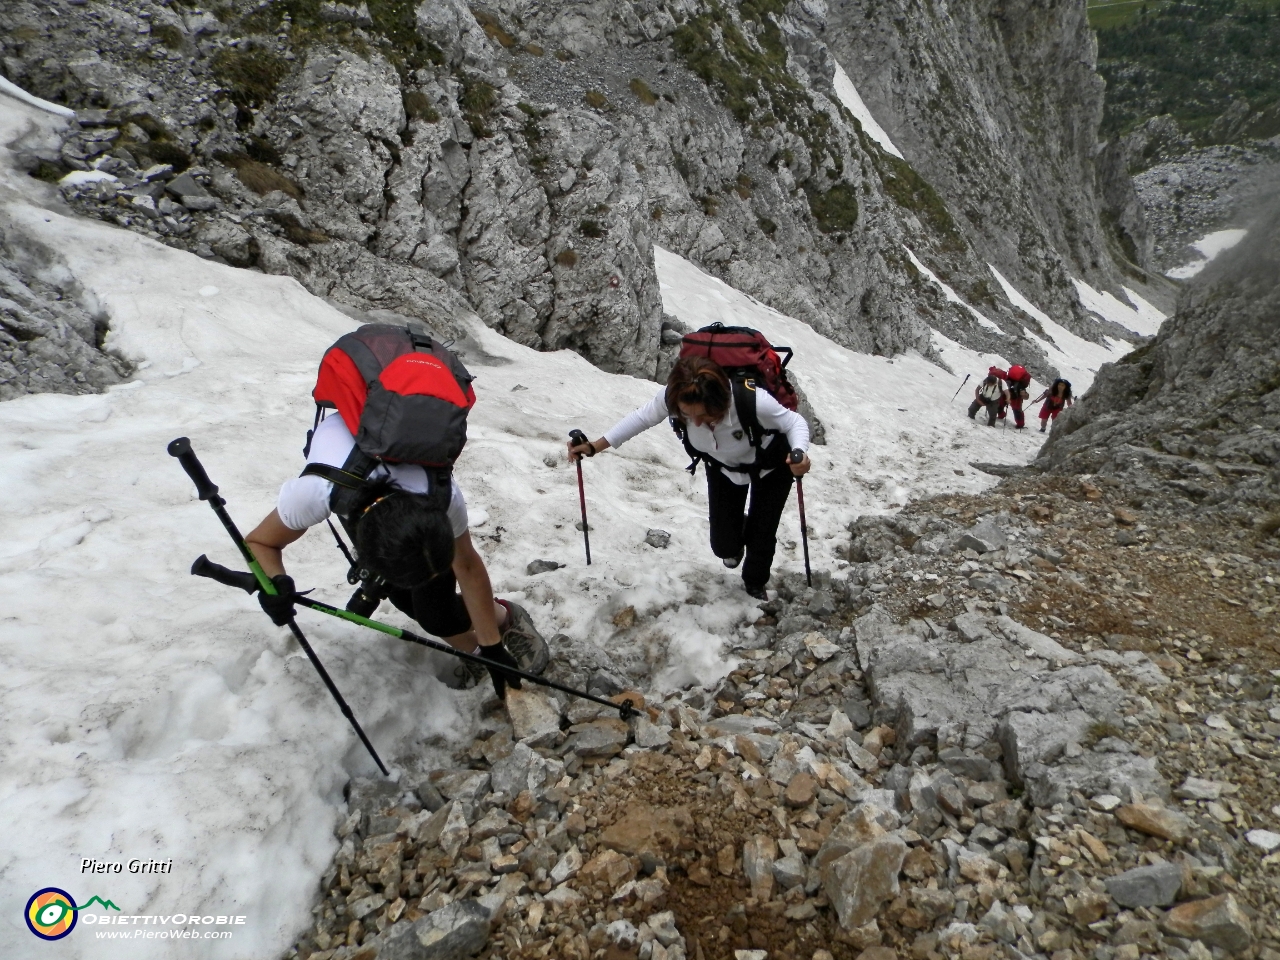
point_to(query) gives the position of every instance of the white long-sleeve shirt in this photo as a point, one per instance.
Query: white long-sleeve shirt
(727, 441)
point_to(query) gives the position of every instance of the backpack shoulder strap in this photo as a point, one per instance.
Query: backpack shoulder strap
(744, 400)
(695, 456)
(348, 480)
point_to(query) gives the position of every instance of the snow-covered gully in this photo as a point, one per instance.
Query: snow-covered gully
(830, 771)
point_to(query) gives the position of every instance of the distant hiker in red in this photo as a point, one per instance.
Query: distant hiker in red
(1057, 397)
(1018, 380)
(990, 393)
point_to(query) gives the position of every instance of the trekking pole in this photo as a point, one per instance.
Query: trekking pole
(579, 438)
(796, 457)
(959, 388)
(208, 490)
(204, 567)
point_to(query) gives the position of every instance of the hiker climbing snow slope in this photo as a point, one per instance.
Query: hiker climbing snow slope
(383, 465)
(720, 401)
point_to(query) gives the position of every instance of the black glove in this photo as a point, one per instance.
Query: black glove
(500, 657)
(279, 607)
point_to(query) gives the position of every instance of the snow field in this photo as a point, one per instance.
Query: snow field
(148, 714)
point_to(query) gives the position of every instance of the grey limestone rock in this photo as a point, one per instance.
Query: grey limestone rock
(1002, 685)
(1153, 886)
(481, 180)
(983, 537)
(51, 331)
(453, 932)
(1159, 417)
(858, 882)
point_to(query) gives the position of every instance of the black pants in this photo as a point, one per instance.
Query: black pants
(436, 605)
(992, 408)
(757, 531)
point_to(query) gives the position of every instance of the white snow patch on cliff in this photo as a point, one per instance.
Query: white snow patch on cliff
(849, 96)
(950, 294)
(15, 91)
(1138, 315)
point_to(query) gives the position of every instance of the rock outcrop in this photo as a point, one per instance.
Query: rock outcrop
(51, 333)
(520, 160)
(1195, 414)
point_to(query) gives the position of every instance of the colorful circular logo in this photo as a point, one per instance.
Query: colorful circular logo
(51, 913)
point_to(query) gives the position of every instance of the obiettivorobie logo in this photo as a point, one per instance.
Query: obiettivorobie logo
(51, 913)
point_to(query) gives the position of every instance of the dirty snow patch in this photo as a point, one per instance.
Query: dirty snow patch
(1208, 246)
(950, 294)
(1142, 318)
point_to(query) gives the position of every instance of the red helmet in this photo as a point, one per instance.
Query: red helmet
(1018, 374)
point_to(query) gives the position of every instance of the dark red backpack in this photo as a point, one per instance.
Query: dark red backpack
(405, 398)
(750, 361)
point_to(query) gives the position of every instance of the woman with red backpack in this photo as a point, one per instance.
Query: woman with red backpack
(710, 414)
(1056, 398)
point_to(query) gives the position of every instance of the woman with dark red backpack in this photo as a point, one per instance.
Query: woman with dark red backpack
(743, 435)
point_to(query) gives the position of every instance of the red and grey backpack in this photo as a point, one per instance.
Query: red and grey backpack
(405, 398)
(750, 361)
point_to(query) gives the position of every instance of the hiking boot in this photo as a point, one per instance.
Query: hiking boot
(1042, 429)
(756, 593)
(523, 641)
(465, 675)
(732, 562)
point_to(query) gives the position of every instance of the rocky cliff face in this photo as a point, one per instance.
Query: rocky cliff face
(1195, 414)
(520, 159)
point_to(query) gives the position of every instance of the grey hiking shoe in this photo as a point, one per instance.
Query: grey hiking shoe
(465, 675)
(523, 641)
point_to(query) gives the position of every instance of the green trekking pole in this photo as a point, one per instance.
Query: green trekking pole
(204, 567)
(208, 490)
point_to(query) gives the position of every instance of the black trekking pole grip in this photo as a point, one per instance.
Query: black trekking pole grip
(204, 567)
(181, 448)
(579, 439)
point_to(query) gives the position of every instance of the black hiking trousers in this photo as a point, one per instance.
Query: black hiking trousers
(436, 605)
(992, 410)
(736, 528)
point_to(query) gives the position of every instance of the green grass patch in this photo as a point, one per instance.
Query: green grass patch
(259, 177)
(417, 106)
(836, 209)
(478, 100)
(493, 29)
(250, 76)
(642, 92)
(912, 192)
(596, 100)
